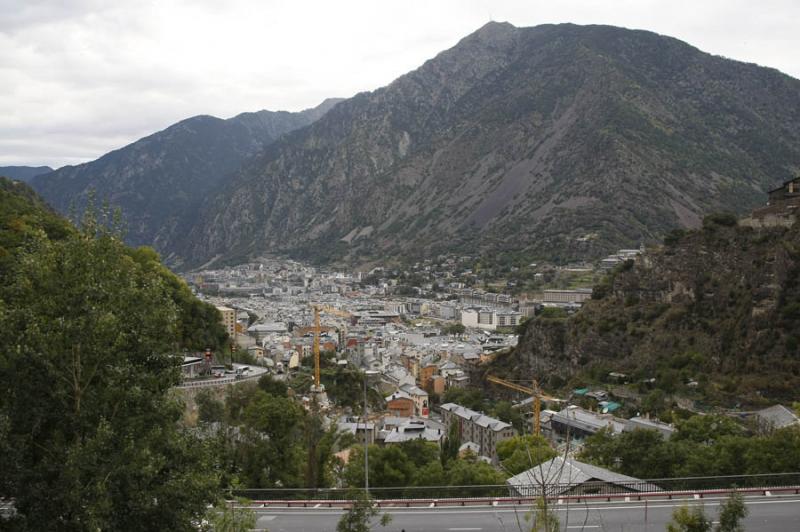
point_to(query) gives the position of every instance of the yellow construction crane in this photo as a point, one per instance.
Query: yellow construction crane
(316, 348)
(328, 310)
(536, 396)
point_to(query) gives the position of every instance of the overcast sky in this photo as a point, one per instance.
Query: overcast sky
(81, 77)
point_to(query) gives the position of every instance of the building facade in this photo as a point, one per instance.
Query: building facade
(228, 320)
(478, 428)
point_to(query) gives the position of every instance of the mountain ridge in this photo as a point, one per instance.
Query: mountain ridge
(158, 180)
(24, 173)
(615, 135)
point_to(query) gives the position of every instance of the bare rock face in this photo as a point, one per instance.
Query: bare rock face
(560, 141)
(718, 306)
(159, 181)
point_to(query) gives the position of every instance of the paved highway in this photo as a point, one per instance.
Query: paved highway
(767, 514)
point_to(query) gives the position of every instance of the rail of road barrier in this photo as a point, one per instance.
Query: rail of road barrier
(219, 381)
(520, 501)
(522, 494)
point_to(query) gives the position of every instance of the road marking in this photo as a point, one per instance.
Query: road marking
(267, 517)
(583, 526)
(464, 529)
(504, 509)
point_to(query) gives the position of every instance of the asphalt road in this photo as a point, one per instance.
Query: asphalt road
(767, 514)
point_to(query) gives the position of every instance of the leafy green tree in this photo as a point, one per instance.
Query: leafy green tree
(454, 328)
(272, 386)
(360, 515)
(388, 467)
(272, 451)
(209, 408)
(731, 513)
(473, 473)
(451, 444)
(225, 517)
(85, 374)
(504, 411)
(707, 429)
(198, 324)
(471, 398)
(685, 519)
(521, 453)
(543, 518)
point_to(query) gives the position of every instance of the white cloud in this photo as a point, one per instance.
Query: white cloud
(79, 78)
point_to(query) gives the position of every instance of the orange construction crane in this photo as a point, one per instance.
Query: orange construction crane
(536, 396)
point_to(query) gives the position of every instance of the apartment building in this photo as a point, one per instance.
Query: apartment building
(477, 428)
(228, 320)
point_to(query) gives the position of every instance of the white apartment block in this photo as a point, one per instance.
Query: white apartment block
(489, 319)
(567, 296)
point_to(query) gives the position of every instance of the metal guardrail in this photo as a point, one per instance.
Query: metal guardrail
(218, 381)
(517, 501)
(659, 487)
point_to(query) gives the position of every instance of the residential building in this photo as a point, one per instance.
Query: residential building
(489, 319)
(476, 427)
(645, 423)
(560, 476)
(567, 296)
(420, 398)
(414, 430)
(577, 423)
(228, 320)
(400, 404)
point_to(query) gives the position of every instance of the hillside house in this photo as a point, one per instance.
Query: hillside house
(781, 208)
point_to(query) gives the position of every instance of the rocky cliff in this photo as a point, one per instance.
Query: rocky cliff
(713, 315)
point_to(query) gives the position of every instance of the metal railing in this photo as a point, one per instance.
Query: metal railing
(655, 487)
(218, 381)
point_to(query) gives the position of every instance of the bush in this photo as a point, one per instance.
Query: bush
(725, 219)
(673, 237)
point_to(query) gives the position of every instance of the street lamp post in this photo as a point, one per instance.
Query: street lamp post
(368, 373)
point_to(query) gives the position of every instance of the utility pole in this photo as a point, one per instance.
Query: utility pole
(366, 442)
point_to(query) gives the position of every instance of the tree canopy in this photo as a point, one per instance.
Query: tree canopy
(86, 366)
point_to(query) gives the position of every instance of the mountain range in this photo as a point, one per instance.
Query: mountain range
(159, 181)
(557, 141)
(23, 173)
